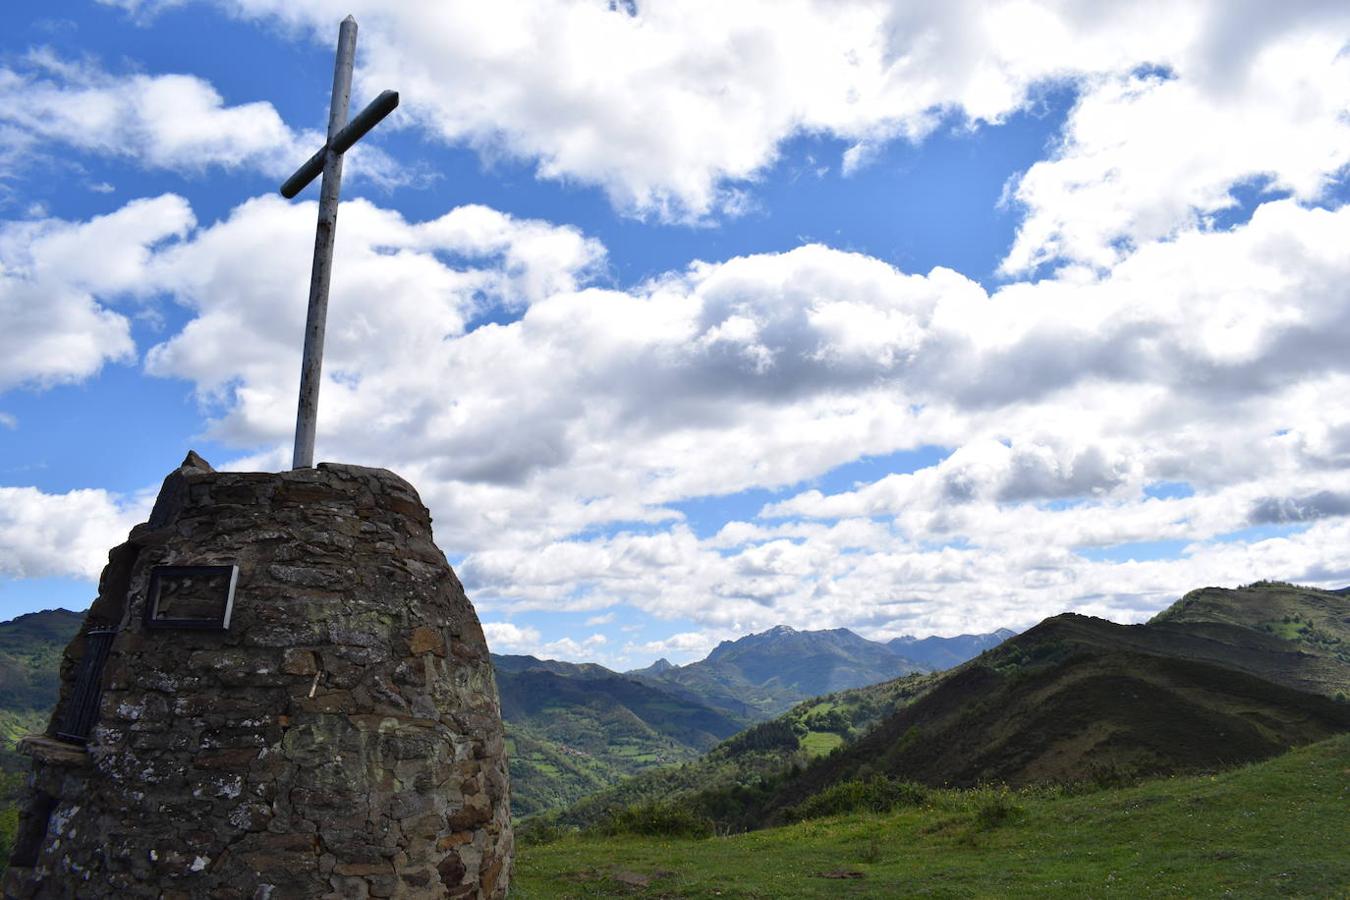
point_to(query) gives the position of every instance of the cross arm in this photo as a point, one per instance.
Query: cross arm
(352, 132)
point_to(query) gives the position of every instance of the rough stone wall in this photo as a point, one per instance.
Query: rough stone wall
(342, 739)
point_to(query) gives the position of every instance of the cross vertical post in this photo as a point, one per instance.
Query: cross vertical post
(341, 136)
(311, 366)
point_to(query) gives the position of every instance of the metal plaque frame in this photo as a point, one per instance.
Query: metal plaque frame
(160, 574)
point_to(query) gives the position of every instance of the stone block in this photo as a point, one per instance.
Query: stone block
(298, 661)
(384, 867)
(425, 639)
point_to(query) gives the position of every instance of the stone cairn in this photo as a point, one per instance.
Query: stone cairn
(340, 738)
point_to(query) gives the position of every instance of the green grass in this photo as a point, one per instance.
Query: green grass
(1277, 828)
(1290, 631)
(16, 724)
(818, 743)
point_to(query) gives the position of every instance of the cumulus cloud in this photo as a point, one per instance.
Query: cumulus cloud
(58, 322)
(684, 645)
(588, 648)
(1144, 155)
(554, 443)
(506, 637)
(675, 108)
(402, 294)
(1299, 509)
(554, 424)
(43, 535)
(163, 121)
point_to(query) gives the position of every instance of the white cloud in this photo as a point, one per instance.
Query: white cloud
(506, 637)
(1057, 391)
(684, 645)
(672, 111)
(56, 324)
(554, 447)
(1212, 359)
(65, 535)
(586, 650)
(143, 10)
(163, 121)
(396, 307)
(1146, 155)
(535, 440)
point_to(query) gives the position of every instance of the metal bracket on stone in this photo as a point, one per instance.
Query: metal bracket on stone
(82, 708)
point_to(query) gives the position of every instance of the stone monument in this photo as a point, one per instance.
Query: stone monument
(281, 691)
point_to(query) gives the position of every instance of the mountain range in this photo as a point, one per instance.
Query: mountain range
(1222, 677)
(944, 652)
(577, 728)
(764, 674)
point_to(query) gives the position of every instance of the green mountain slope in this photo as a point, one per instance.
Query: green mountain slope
(575, 729)
(1104, 715)
(1079, 698)
(1074, 699)
(1317, 622)
(1275, 829)
(31, 648)
(579, 728)
(738, 770)
(513, 663)
(616, 707)
(30, 659)
(546, 775)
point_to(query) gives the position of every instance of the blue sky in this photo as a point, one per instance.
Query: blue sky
(688, 322)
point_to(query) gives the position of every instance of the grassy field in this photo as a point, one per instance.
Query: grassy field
(1278, 829)
(818, 743)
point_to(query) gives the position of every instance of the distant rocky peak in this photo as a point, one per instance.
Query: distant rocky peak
(659, 667)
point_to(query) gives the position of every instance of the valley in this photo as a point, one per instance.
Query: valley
(579, 729)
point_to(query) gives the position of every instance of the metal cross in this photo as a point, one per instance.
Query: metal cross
(341, 136)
